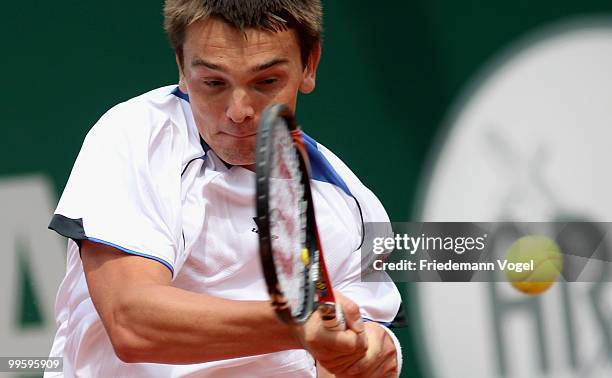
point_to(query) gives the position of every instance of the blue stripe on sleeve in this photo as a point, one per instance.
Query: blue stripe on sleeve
(164, 262)
(386, 324)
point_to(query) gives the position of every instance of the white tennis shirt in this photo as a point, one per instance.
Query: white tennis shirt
(145, 183)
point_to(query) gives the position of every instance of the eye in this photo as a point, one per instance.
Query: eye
(268, 81)
(213, 83)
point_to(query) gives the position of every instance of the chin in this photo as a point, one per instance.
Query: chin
(238, 159)
(241, 153)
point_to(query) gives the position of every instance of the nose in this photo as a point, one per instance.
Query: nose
(239, 108)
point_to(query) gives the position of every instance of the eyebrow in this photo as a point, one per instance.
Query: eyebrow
(260, 67)
(272, 63)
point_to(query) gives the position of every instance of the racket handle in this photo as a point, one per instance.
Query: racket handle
(333, 316)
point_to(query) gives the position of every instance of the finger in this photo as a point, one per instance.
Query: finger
(322, 372)
(338, 367)
(386, 368)
(341, 357)
(376, 347)
(375, 369)
(368, 362)
(343, 343)
(391, 371)
(364, 366)
(352, 315)
(338, 362)
(316, 337)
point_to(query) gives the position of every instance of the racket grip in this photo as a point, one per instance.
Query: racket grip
(333, 316)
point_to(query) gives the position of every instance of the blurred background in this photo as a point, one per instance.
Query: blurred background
(447, 110)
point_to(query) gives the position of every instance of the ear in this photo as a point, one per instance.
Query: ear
(310, 71)
(182, 84)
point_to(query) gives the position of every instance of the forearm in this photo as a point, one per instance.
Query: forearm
(149, 320)
(164, 324)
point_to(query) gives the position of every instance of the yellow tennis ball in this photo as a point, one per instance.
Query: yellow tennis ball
(539, 260)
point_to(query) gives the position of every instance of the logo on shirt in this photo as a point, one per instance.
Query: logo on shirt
(256, 229)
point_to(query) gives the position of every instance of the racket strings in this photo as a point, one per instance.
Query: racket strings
(288, 219)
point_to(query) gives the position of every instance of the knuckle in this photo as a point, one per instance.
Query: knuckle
(351, 308)
(355, 347)
(311, 340)
(362, 344)
(357, 368)
(391, 371)
(362, 348)
(388, 353)
(348, 348)
(392, 374)
(308, 337)
(336, 371)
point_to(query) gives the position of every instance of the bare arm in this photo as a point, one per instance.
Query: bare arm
(148, 320)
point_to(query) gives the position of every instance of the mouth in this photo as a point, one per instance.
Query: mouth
(241, 136)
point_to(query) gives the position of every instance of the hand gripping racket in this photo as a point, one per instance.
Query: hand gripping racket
(289, 244)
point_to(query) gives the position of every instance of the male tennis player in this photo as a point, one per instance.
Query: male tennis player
(163, 276)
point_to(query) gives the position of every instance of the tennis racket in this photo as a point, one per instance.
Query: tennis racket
(289, 243)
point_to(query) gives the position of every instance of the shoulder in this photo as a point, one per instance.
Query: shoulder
(147, 128)
(148, 113)
(327, 168)
(125, 185)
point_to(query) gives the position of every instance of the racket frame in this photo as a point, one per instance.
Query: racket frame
(318, 293)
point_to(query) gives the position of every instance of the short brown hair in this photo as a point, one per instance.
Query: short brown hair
(304, 16)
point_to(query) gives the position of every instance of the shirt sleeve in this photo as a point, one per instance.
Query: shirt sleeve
(124, 188)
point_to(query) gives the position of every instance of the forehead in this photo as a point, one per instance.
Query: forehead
(214, 38)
